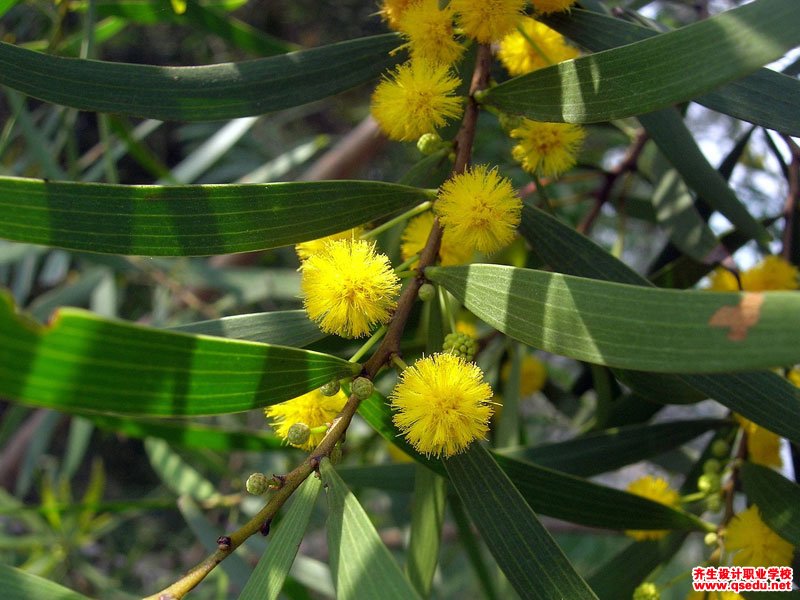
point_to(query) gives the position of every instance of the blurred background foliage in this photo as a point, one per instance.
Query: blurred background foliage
(91, 503)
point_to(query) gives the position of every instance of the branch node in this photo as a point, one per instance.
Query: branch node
(265, 527)
(224, 543)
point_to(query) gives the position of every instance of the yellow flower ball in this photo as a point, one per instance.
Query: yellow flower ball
(722, 280)
(533, 46)
(417, 98)
(794, 376)
(772, 273)
(763, 446)
(348, 288)
(547, 149)
(714, 596)
(533, 375)
(480, 209)
(415, 236)
(658, 490)
(442, 405)
(551, 6)
(754, 544)
(429, 31)
(314, 409)
(487, 20)
(392, 11)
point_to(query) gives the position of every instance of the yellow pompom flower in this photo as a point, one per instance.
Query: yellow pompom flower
(533, 46)
(442, 405)
(722, 280)
(763, 446)
(772, 273)
(306, 249)
(348, 288)
(714, 596)
(754, 544)
(487, 20)
(392, 11)
(547, 149)
(314, 409)
(468, 328)
(479, 208)
(418, 98)
(415, 236)
(550, 6)
(658, 490)
(429, 32)
(794, 376)
(533, 375)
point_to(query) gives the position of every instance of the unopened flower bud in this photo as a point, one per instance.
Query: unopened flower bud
(426, 292)
(461, 344)
(647, 591)
(362, 388)
(298, 434)
(428, 143)
(509, 122)
(714, 503)
(257, 484)
(710, 539)
(712, 466)
(720, 449)
(331, 388)
(708, 483)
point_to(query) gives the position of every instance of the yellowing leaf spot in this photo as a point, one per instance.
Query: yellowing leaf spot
(739, 318)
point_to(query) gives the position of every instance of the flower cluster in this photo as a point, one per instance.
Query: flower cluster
(753, 543)
(547, 149)
(763, 446)
(415, 236)
(533, 46)
(348, 287)
(533, 375)
(772, 273)
(657, 490)
(442, 405)
(312, 409)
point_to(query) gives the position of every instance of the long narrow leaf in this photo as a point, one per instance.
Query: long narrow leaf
(777, 498)
(528, 555)
(83, 363)
(192, 220)
(208, 93)
(20, 585)
(651, 74)
(632, 327)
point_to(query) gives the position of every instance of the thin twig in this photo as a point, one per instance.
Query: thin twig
(389, 347)
(792, 204)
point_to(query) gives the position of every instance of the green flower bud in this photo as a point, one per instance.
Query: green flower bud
(710, 539)
(712, 466)
(710, 482)
(428, 143)
(362, 388)
(331, 388)
(720, 449)
(461, 344)
(647, 591)
(298, 434)
(509, 122)
(426, 292)
(257, 484)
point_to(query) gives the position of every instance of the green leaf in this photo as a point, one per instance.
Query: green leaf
(777, 498)
(20, 585)
(763, 397)
(281, 327)
(766, 98)
(668, 131)
(632, 327)
(362, 566)
(525, 551)
(427, 517)
(176, 474)
(191, 220)
(83, 363)
(601, 451)
(207, 93)
(619, 576)
(392, 477)
(651, 74)
(577, 500)
(270, 573)
(190, 435)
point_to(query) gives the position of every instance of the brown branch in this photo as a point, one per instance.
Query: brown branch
(389, 346)
(603, 194)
